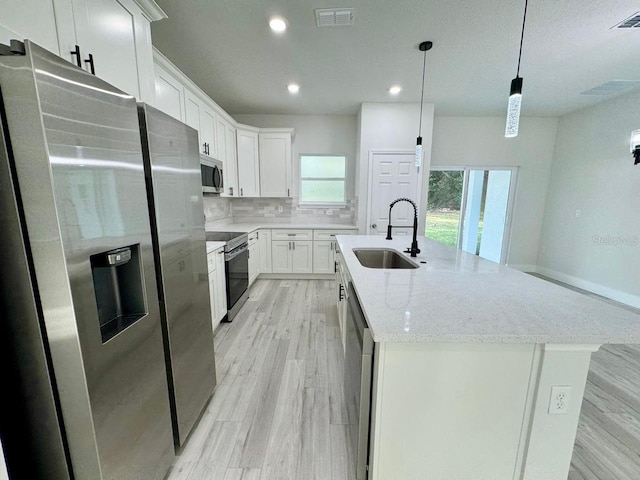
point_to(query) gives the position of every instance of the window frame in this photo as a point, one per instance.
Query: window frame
(304, 204)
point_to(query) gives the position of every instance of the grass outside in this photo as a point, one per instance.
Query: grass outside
(442, 226)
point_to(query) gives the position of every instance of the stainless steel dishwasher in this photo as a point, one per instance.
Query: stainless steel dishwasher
(358, 373)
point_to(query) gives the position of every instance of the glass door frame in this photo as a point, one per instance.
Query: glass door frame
(506, 239)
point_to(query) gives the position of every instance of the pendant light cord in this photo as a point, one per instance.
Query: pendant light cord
(522, 36)
(424, 66)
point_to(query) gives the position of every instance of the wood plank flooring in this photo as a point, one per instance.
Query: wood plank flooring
(278, 411)
(607, 444)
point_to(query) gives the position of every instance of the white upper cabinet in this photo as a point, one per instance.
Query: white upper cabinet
(192, 112)
(230, 170)
(32, 19)
(248, 161)
(113, 37)
(169, 94)
(208, 133)
(275, 163)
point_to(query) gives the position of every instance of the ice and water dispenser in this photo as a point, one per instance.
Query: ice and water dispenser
(119, 289)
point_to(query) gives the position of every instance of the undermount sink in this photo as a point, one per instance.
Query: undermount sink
(382, 258)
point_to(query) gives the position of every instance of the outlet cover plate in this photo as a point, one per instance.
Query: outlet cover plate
(560, 400)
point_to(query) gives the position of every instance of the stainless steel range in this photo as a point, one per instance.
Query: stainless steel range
(236, 267)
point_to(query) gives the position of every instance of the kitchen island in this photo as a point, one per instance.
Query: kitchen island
(478, 369)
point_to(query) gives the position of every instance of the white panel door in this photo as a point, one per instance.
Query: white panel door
(230, 170)
(107, 30)
(275, 165)
(264, 241)
(248, 163)
(208, 132)
(323, 256)
(32, 19)
(192, 113)
(169, 94)
(302, 257)
(393, 175)
(281, 256)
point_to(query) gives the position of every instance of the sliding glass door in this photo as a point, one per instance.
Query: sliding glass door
(469, 208)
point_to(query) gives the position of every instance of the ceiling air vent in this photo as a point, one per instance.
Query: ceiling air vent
(632, 22)
(614, 86)
(334, 17)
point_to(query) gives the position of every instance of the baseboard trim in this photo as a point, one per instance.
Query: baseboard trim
(296, 276)
(524, 268)
(611, 293)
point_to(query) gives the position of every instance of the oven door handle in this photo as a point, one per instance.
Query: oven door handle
(235, 252)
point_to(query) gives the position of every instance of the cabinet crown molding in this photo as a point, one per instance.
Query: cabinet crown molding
(151, 10)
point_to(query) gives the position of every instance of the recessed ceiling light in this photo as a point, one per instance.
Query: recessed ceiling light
(278, 24)
(395, 89)
(293, 88)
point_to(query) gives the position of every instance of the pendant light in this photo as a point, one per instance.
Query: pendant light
(424, 46)
(515, 94)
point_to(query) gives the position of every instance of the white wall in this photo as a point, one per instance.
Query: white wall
(320, 134)
(391, 126)
(593, 172)
(480, 141)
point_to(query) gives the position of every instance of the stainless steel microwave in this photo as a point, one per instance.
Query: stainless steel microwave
(211, 170)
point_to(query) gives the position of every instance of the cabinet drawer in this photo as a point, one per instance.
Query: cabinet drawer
(297, 234)
(212, 259)
(331, 234)
(253, 237)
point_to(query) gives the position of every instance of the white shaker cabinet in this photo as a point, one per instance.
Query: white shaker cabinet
(113, 38)
(323, 256)
(248, 161)
(281, 256)
(230, 170)
(264, 241)
(208, 141)
(292, 256)
(169, 94)
(254, 257)
(275, 162)
(217, 286)
(192, 113)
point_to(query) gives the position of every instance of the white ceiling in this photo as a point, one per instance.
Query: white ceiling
(226, 47)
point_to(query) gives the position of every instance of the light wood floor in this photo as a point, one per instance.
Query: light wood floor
(278, 411)
(608, 440)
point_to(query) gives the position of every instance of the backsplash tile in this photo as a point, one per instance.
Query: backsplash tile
(261, 210)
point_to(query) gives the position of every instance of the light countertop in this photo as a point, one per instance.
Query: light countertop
(212, 246)
(457, 297)
(250, 227)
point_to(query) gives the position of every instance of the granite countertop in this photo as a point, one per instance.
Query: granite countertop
(212, 246)
(457, 297)
(250, 227)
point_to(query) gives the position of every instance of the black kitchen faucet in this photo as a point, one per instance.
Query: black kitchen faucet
(414, 250)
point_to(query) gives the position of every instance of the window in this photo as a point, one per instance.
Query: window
(322, 179)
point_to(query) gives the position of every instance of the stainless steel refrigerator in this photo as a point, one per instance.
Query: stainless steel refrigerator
(81, 352)
(174, 189)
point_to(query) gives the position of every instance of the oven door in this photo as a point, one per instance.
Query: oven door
(237, 273)
(358, 374)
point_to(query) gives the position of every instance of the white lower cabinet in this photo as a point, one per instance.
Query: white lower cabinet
(323, 256)
(217, 286)
(254, 257)
(292, 256)
(264, 242)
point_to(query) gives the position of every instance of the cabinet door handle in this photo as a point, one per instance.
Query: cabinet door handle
(332, 246)
(76, 52)
(340, 293)
(242, 192)
(335, 267)
(288, 192)
(221, 252)
(92, 67)
(294, 245)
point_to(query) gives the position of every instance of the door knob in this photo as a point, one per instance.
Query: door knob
(374, 225)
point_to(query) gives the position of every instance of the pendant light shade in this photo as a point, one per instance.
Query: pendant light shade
(423, 47)
(513, 110)
(515, 94)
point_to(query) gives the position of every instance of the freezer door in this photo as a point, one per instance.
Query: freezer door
(172, 166)
(78, 158)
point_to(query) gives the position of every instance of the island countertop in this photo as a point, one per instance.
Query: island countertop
(457, 297)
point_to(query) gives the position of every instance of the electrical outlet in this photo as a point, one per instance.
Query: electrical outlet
(280, 209)
(559, 401)
(329, 212)
(578, 213)
(543, 249)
